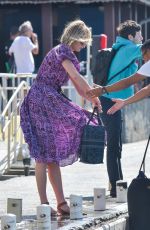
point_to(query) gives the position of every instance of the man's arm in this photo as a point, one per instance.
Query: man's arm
(125, 83)
(98, 90)
(35, 42)
(144, 92)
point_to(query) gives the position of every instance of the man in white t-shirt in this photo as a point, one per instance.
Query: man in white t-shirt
(23, 48)
(145, 69)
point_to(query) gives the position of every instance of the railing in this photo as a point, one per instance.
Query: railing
(10, 123)
(9, 83)
(11, 133)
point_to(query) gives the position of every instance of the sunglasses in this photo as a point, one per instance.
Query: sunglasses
(83, 43)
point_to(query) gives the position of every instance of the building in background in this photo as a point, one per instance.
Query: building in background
(49, 17)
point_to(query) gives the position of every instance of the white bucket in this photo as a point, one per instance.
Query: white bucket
(121, 187)
(44, 217)
(76, 207)
(99, 199)
(8, 221)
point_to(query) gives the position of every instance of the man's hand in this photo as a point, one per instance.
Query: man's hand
(117, 106)
(34, 37)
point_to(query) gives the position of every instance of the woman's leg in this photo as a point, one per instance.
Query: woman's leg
(41, 180)
(54, 174)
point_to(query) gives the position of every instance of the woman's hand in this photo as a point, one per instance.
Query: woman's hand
(96, 103)
(117, 106)
(96, 91)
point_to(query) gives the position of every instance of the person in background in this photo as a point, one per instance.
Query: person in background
(141, 74)
(10, 64)
(52, 124)
(10, 61)
(23, 48)
(129, 40)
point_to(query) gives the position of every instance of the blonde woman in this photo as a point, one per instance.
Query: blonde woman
(52, 125)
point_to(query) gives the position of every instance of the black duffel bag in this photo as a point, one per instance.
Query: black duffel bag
(139, 199)
(92, 141)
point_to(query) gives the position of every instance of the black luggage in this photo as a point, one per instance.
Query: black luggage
(139, 199)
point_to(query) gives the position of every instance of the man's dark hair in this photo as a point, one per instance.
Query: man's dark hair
(146, 45)
(128, 27)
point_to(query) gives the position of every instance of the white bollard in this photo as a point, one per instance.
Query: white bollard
(121, 187)
(99, 199)
(76, 207)
(44, 217)
(8, 221)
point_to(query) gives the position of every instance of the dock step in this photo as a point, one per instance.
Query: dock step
(19, 169)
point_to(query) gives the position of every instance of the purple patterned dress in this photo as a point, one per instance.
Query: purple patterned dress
(52, 125)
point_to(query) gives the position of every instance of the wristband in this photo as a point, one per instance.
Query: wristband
(104, 90)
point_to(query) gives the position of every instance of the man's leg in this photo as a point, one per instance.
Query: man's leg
(113, 125)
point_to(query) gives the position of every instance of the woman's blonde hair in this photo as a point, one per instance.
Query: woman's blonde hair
(76, 31)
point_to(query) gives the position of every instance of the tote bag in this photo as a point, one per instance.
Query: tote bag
(139, 199)
(92, 141)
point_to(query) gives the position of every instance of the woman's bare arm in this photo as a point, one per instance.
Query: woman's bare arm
(79, 82)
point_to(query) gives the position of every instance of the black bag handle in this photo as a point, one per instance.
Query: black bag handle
(95, 112)
(143, 161)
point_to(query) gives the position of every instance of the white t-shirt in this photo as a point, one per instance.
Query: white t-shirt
(145, 69)
(22, 48)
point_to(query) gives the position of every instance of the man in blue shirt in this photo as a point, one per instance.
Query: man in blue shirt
(130, 40)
